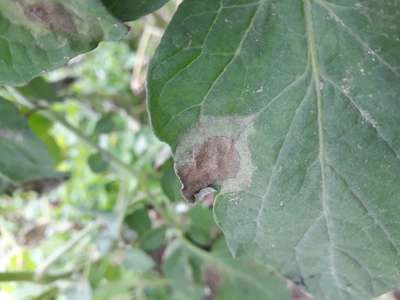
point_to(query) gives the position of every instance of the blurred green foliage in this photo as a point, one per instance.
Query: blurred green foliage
(93, 94)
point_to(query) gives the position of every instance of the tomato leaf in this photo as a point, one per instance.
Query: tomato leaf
(41, 35)
(291, 109)
(23, 157)
(40, 89)
(127, 10)
(197, 274)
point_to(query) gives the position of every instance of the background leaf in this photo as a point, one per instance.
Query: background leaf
(152, 239)
(23, 157)
(220, 276)
(41, 127)
(170, 182)
(38, 36)
(40, 89)
(139, 221)
(97, 163)
(127, 10)
(137, 260)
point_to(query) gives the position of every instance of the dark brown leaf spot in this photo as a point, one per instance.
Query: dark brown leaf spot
(209, 163)
(54, 16)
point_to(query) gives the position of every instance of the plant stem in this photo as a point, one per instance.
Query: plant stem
(31, 277)
(217, 261)
(49, 294)
(121, 206)
(154, 283)
(197, 250)
(42, 269)
(56, 117)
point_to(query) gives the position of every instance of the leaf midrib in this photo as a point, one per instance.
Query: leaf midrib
(313, 59)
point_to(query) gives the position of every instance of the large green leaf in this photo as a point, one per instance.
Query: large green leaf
(39, 89)
(41, 35)
(128, 10)
(196, 274)
(23, 158)
(291, 108)
(41, 127)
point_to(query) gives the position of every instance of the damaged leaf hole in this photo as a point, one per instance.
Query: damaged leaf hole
(207, 165)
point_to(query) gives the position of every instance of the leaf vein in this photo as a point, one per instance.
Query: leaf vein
(360, 111)
(341, 22)
(368, 211)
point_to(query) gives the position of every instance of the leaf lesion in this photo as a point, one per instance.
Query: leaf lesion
(207, 164)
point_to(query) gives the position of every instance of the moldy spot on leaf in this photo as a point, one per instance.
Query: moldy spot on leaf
(208, 163)
(53, 15)
(215, 152)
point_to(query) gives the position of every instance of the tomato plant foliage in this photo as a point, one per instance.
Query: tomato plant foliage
(290, 110)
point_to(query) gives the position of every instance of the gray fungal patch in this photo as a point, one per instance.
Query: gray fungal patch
(215, 152)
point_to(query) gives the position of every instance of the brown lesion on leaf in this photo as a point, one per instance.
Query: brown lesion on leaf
(209, 163)
(52, 15)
